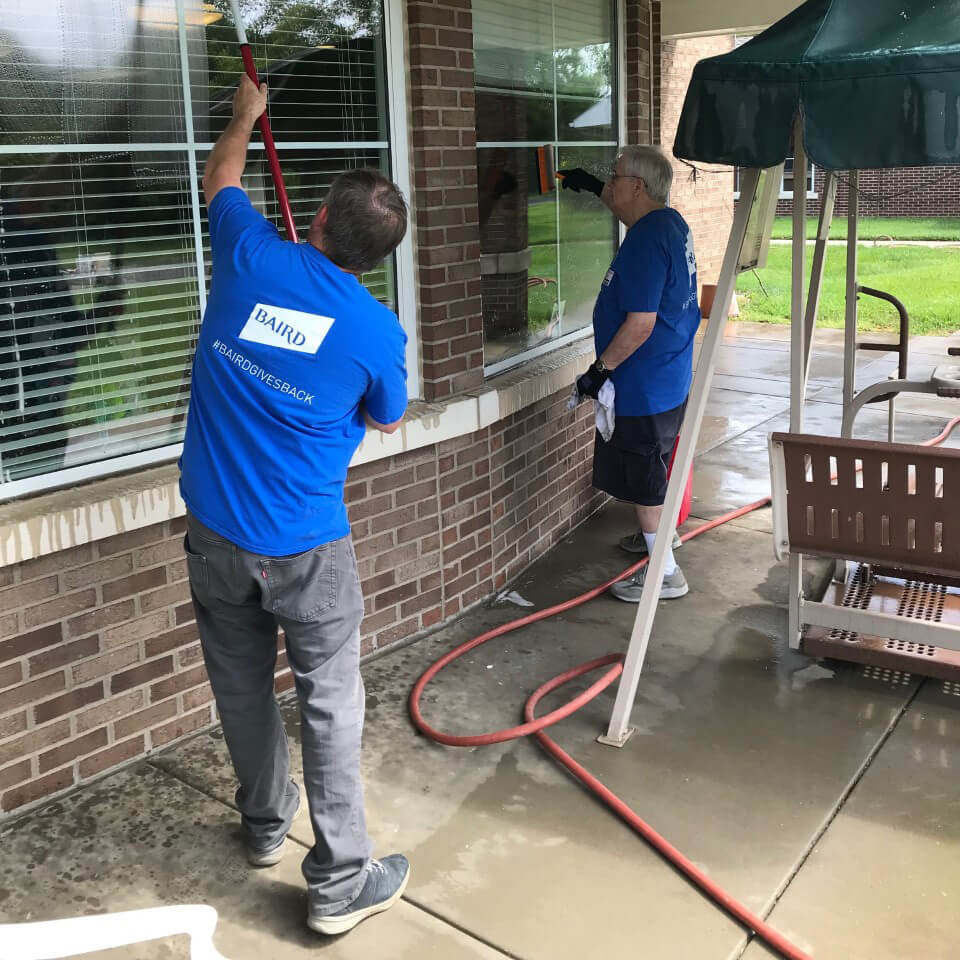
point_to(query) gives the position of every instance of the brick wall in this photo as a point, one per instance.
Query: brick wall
(637, 93)
(444, 170)
(706, 202)
(897, 192)
(100, 660)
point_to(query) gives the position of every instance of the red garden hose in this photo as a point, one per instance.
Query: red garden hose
(268, 145)
(535, 726)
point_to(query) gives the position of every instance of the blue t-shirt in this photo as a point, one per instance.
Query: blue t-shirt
(291, 351)
(654, 271)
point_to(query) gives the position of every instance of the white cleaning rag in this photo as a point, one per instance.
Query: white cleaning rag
(603, 408)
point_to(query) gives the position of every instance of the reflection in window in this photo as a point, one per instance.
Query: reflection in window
(543, 252)
(102, 229)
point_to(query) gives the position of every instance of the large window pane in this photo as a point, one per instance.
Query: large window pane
(308, 174)
(324, 63)
(544, 76)
(90, 71)
(98, 308)
(101, 216)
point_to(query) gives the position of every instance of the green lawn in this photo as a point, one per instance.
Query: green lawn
(926, 279)
(586, 232)
(871, 228)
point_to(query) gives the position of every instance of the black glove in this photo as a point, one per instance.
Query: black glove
(577, 179)
(589, 383)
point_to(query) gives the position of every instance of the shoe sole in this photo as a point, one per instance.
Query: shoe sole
(272, 857)
(333, 926)
(269, 859)
(667, 593)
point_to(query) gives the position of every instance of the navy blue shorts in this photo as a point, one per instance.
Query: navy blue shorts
(632, 466)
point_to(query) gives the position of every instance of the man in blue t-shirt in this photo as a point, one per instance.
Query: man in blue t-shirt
(294, 360)
(644, 325)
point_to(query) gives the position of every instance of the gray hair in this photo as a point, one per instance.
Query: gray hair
(652, 166)
(366, 220)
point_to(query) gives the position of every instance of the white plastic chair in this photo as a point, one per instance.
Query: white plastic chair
(53, 939)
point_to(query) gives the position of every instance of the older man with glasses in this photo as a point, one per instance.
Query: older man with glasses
(644, 323)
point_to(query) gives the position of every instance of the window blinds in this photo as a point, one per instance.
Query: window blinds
(107, 113)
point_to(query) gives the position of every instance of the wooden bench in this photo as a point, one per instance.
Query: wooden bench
(892, 512)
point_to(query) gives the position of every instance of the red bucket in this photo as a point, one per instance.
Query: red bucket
(688, 491)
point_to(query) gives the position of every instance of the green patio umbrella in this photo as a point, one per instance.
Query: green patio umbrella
(877, 83)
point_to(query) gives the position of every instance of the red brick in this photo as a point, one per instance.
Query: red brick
(33, 741)
(128, 541)
(97, 572)
(140, 675)
(55, 562)
(108, 663)
(188, 656)
(9, 624)
(10, 674)
(178, 683)
(169, 596)
(69, 751)
(128, 586)
(184, 613)
(197, 697)
(59, 608)
(172, 639)
(36, 789)
(139, 629)
(26, 593)
(64, 654)
(68, 703)
(11, 776)
(159, 552)
(398, 632)
(120, 753)
(109, 710)
(101, 617)
(31, 692)
(181, 727)
(13, 724)
(144, 719)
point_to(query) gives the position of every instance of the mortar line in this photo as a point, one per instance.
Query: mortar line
(832, 814)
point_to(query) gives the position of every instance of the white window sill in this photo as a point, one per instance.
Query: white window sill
(49, 522)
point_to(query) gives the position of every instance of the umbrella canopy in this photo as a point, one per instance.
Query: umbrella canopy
(877, 83)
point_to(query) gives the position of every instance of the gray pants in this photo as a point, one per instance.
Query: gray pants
(240, 598)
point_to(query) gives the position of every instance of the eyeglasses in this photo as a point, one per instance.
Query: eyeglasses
(624, 176)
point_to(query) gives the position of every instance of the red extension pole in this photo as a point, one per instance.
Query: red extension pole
(265, 131)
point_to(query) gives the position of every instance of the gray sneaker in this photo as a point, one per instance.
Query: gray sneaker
(259, 855)
(635, 542)
(266, 858)
(631, 589)
(386, 881)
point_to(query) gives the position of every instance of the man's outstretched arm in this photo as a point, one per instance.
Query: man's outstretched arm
(228, 158)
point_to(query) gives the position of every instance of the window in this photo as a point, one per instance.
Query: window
(109, 109)
(545, 97)
(786, 187)
(786, 184)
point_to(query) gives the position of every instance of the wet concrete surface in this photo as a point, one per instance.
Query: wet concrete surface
(821, 791)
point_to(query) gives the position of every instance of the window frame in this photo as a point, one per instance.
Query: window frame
(618, 81)
(397, 147)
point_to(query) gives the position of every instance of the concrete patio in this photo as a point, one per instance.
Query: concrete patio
(821, 794)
